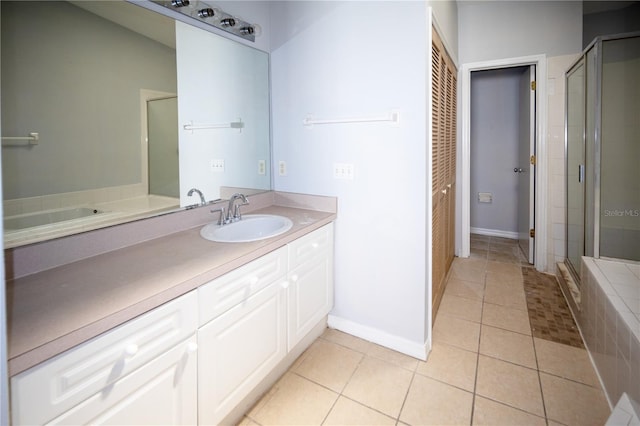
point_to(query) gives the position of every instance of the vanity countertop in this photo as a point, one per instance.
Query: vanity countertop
(55, 310)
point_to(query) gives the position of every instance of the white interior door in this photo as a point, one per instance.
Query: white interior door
(526, 164)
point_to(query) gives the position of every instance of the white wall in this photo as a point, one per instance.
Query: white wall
(489, 30)
(360, 59)
(445, 17)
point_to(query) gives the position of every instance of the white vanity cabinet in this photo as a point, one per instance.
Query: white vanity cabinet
(245, 336)
(287, 292)
(310, 291)
(142, 372)
(194, 359)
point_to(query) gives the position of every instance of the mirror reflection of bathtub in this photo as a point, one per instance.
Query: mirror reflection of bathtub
(57, 222)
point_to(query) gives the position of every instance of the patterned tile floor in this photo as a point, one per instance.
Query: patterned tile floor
(486, 366)
(549, 313)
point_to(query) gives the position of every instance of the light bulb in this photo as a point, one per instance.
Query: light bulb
(206, 12)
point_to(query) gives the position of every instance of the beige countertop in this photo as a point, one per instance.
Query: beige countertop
(55, 310)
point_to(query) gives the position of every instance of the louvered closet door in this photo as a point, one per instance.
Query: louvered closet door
(444, 166)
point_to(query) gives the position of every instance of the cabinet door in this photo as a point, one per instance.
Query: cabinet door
(310, 296)
(163, 391)
(310, 290)
(238, 349)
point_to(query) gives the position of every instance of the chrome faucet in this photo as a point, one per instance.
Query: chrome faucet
(236, 215)
(197, 191)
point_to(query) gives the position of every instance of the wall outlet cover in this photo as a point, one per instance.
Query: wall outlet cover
(217, 166)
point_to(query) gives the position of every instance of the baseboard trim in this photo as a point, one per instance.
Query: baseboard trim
(495, 233)
(399, 344)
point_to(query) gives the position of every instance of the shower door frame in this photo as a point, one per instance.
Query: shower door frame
(597, 150)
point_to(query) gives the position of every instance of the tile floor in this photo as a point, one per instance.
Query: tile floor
(485, 367)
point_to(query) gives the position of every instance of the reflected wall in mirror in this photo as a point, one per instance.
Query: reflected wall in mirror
(109, 96)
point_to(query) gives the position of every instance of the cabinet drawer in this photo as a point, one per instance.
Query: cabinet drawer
(306, 248)
(162, 392)
(229, 290)
(55, 386)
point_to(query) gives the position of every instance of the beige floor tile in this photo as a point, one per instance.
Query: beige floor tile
(510, 384)
(511, 280)
(512, 258)
(461, 307)
(480, 245)
(456, 332)
(246, 421)
(401, 360)
(504, 268)
(294, 401)
(469, 269)
(471, 263)
(451, 365)
(346, 340)
(348, 412)
(506, 318)
(379, 385)
(430, 402)
(507, 346)
(573, 403)
(491, 413)
(505, 295)
(477, 253)
(468, 289)
(565, 361)
(329, 364)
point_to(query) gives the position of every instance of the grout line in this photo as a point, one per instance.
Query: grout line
(475, 380)
(406, 395)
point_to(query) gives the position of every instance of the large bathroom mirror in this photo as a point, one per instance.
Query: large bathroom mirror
(112, 112)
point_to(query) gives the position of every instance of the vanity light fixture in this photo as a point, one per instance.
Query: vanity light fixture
(206, 13)
(228, 22)
(211, 15)
(247, 30)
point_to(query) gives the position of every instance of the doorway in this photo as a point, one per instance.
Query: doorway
(502, 143)
(162, 127)
(510, 170)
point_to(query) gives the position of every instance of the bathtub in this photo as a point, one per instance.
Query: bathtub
(609, 319)
(49, 217)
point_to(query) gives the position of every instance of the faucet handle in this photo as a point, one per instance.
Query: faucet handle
(236, 211)
(223, 219)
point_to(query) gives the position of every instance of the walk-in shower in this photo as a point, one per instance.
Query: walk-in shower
(602, 134)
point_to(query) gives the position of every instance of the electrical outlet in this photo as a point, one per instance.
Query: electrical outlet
(262, 167)
(343, 171)
(282, 168)
(217, 166)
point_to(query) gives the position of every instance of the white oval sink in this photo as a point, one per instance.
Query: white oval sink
(252, 227)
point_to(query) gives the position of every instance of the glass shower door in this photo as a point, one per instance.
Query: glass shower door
(620, 150)
(575, 155)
